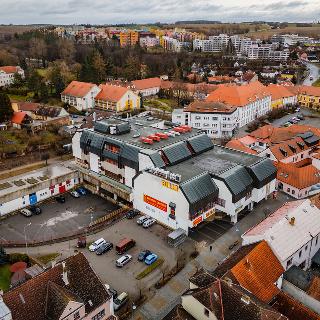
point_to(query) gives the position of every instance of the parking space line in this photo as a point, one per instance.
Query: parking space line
(206, 236)
(213, 230)
(221, 227)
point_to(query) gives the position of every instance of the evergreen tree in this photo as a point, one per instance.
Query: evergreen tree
(6, 111)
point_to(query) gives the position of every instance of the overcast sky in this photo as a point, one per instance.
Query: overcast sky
(143, 11)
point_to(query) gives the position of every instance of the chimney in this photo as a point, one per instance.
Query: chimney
(247, 263)
(292, 221)
(64, 274)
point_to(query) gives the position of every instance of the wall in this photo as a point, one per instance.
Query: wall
(196, 309)
(107, 306)
(301, 296)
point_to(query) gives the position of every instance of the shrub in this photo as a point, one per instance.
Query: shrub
(150, 268)
(17, 257)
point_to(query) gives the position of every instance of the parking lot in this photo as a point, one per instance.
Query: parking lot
(56, 219)
(210, 231)
(124, 279)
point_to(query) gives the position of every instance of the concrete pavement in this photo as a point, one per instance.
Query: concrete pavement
(313, 73)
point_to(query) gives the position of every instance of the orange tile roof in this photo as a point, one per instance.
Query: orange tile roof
(258, 271)
(279, 92)
(287, 148)
(247, 140)
(111, 93)
(209, 107)
(18, 117)
(147, 83)
(314, 289)
(221, 79)
(78, 89)
(298, 176)
(239, 95)
(238, 145)
(309, 90)
(190, 87)
(9, 69)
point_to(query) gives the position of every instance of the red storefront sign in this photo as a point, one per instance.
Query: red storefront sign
(155, 203)
(197, 221)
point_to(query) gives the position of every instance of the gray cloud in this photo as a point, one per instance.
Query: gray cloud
(143, 11)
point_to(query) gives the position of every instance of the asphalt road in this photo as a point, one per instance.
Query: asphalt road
(313, 73)
(56, 219)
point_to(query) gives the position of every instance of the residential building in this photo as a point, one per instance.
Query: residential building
(281, 96)
(30, 188)
(308, 96)
(291, 39)
(215, 118)
(172, 44)
(147, 87)
(21, 120)
(129, 38)
(292, 232)
(149, 41)
(213, 44)
(7, 74)
(69, 290)
(80, 95)
(252, 100)
(189, 179)
(116, 98)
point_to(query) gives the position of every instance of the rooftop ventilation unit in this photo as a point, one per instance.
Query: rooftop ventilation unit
(154, 137)
(147, 140)
(162, 135)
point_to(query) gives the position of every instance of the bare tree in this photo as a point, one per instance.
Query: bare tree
(164, 269)
(179, 91)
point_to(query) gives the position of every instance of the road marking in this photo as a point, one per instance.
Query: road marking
(207, 236)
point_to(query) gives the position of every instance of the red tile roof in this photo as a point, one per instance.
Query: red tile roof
(258, 271)
(289, 148)
(28, 106)
(9, 69)
(239, 95)
(238, 145)
(147, 83)
(111, 93)
(309, 90)
(209, 107)
(78, 89)
(278, 92)
(18, 117)
(298, 176)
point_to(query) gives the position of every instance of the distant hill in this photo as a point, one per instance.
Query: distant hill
(197, 22)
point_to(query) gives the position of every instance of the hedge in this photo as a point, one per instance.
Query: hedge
(150, 268)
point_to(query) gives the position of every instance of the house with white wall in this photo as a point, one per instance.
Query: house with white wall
(252, 100)
(7, 74)
(292, 232)
(80, 95)
(147, 87)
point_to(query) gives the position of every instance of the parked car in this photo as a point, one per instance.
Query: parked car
(60, 199)
(297, 110)
(35, 210)
(143, 254)
(124, 245)
(287, 124)
(148, 223)
(75, 194)
(142, 219)
(104, 248)
(26, 212)
(296, 119)
(132, 213)
(120, 300)
(82, 191)
(95, 245)
(293, 121)
(300, 116)
(150, 259)
(122, 261)
(82, 242)
(114, 292)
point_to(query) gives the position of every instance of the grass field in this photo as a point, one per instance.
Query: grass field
(5, 277)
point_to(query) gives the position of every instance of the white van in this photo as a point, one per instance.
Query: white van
(120, 300)
(148, 223)
(95, 245)
(142, 219)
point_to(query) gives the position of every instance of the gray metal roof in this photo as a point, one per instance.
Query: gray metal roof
(200, 143)
(316, 258)
(102, 126)
(298, 277)
(312, 140)
(129, 155)
(157, 160)
(177, 152)
(262, 172)
(199, 191)
(238, 181)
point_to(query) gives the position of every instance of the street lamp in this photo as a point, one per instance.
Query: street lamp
(134, 307)
(25, 236)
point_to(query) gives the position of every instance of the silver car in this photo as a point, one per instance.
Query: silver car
(26, 212)
(122, 261)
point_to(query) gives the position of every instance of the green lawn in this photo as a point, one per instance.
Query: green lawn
(316, 83)
(48, 257)
(5, 277)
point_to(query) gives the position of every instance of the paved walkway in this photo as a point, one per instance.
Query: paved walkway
(169, 295)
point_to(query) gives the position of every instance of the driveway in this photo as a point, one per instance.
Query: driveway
(56, 219)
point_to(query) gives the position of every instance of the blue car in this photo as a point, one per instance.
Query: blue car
(82, 191)
(150, 259)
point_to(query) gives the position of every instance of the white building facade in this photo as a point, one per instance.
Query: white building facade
(7, 74)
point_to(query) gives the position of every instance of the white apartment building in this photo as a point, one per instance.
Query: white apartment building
(292, 232)
(216, 119)
(172, 173)
(291, 39)
(213, 44)
(80, 95)
(172, 44)
(7, 74)
(252, 100)
(149, 41)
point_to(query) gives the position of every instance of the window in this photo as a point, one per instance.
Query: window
(289, 262)
(99, 315)
(300, 253)
(293, 192)
(316, 240)
(76, 315)
(221, 202)
(206, 312)
(305, 248)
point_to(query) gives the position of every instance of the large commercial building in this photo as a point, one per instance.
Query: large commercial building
(172, 173)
